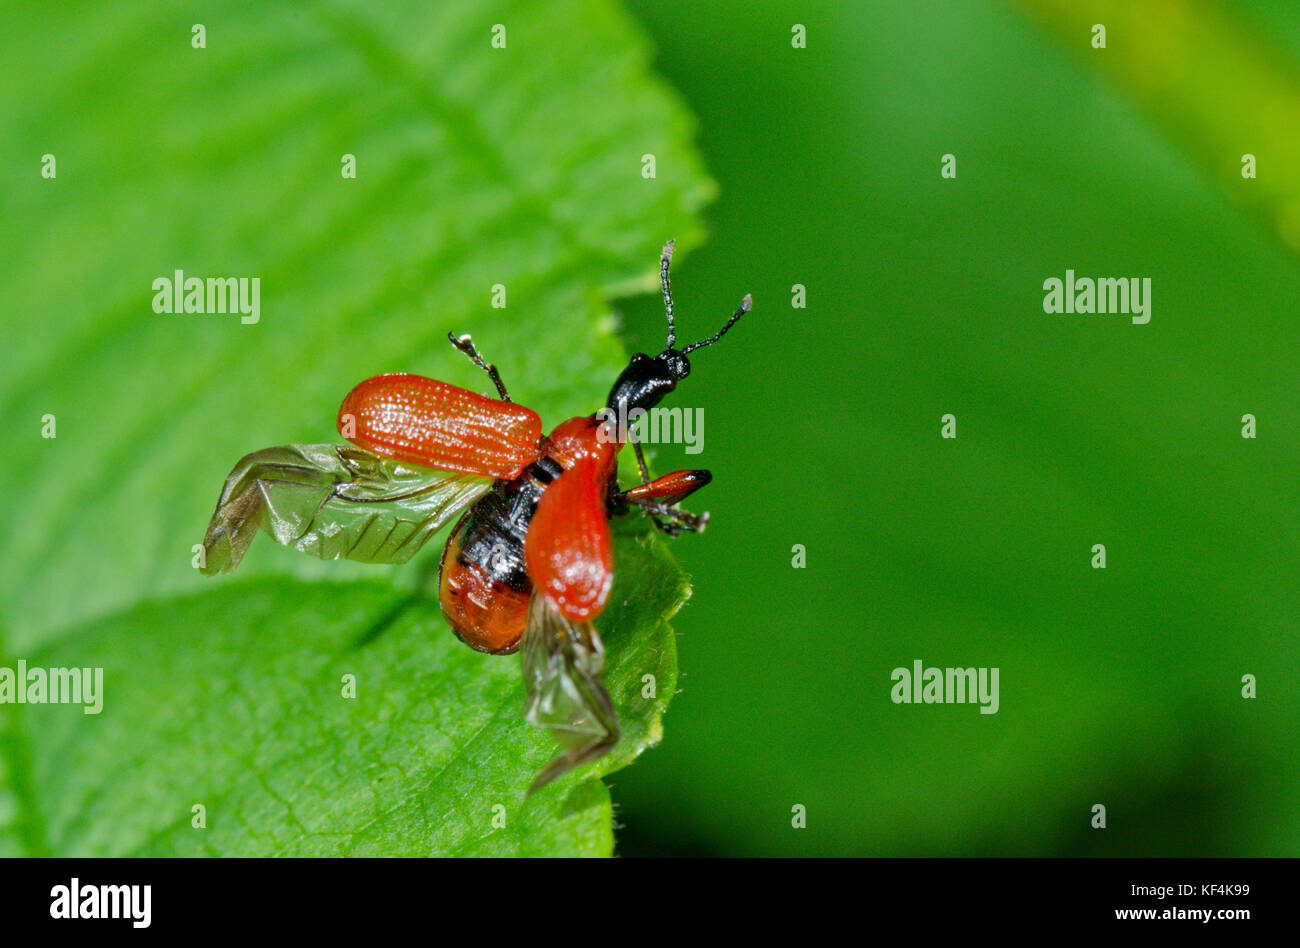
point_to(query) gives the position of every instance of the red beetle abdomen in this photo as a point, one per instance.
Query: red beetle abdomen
(433, 424)
(484, 583)
(483, 609)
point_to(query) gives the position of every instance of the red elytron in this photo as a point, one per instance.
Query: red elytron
(530, 561)
(431, 423)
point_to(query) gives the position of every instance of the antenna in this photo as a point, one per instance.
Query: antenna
(745, 306)
(664, 261)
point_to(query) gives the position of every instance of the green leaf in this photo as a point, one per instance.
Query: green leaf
(233, 700)
(476, 167)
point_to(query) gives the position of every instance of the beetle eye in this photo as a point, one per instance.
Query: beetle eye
(677, 365)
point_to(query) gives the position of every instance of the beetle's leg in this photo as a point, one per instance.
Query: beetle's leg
(670, 489)
(679, 520)
(656, 496)
(466, 345)
(640, 460)
(640, 457)
(660, 497)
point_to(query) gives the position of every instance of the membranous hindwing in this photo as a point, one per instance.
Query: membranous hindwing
(562, 662)
(334, 501)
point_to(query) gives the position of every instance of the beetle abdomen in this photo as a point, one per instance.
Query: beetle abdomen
(433, 424)
(481, 603)
(483, 586)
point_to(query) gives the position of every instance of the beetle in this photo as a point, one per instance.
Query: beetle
(529, 564)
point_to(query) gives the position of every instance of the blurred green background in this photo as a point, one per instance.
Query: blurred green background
(1120, 686)
(924, 297)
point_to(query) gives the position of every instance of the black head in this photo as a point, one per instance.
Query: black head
(647, 379)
